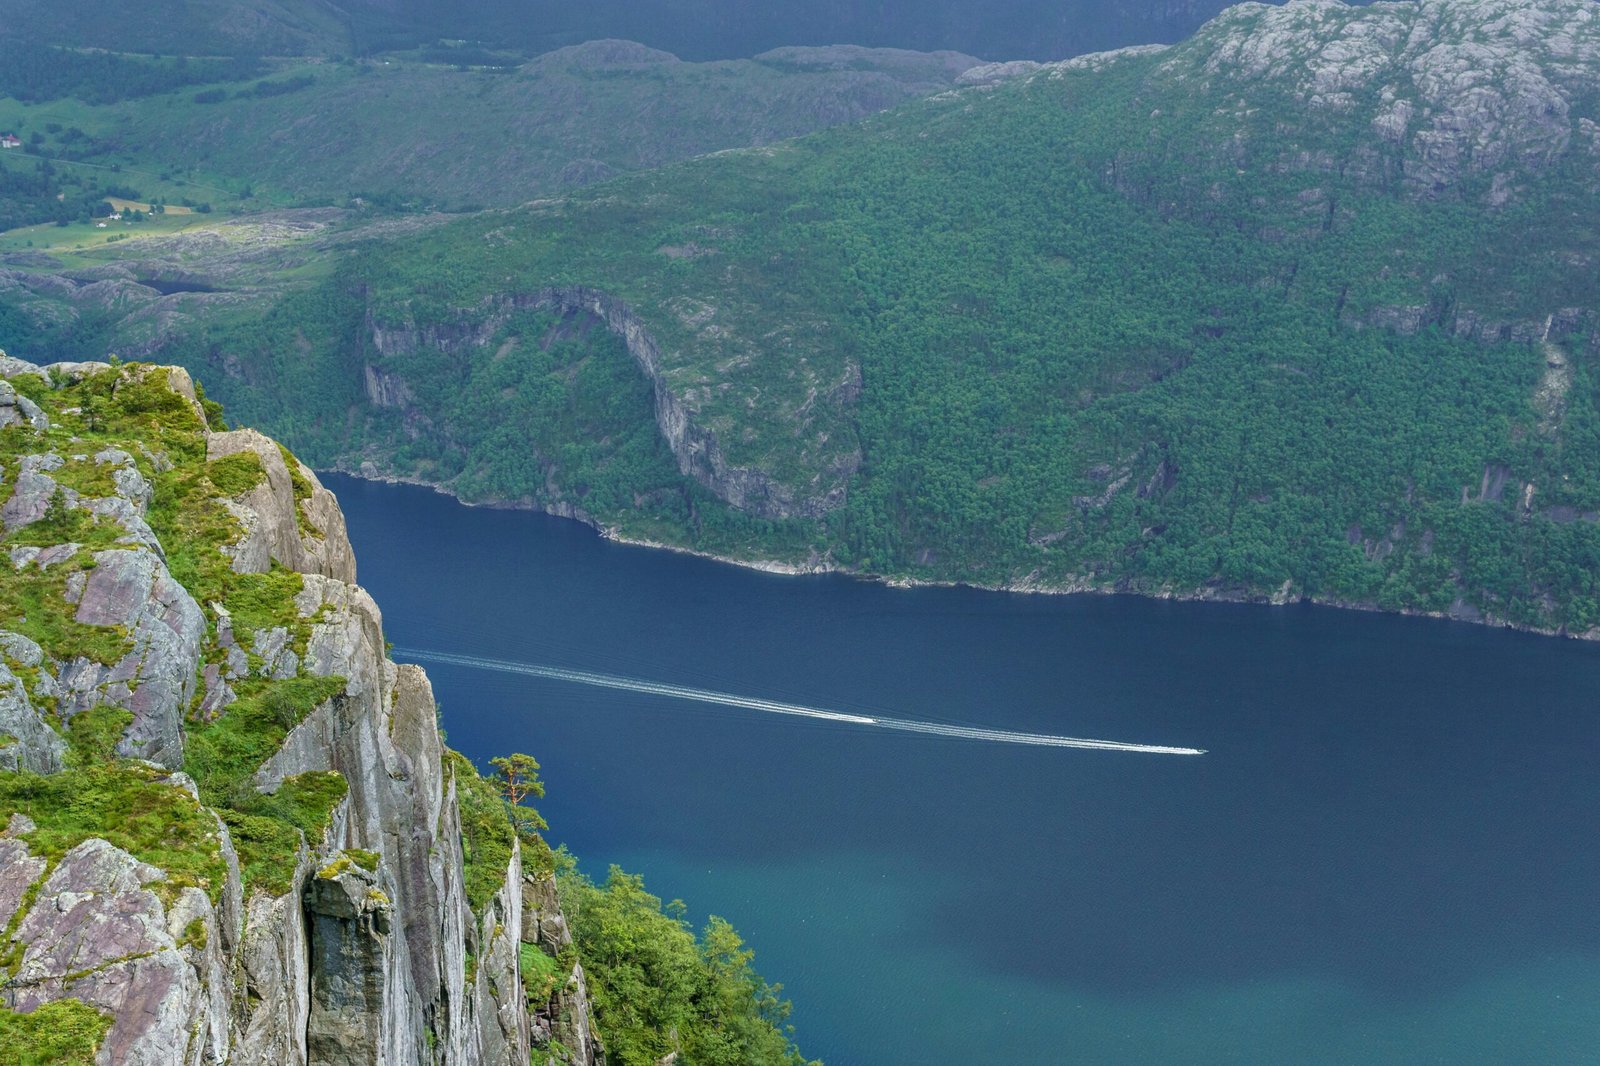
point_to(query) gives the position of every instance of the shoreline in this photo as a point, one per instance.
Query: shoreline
(1021, 587)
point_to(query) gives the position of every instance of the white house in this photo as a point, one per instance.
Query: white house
(10, 140)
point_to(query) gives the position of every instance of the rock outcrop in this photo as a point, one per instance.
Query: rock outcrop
(155, 680)
(680, 411)
(340, 940)
(1452, 98)
(289, 517)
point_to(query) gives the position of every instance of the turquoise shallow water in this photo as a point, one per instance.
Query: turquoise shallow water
(1388, 856)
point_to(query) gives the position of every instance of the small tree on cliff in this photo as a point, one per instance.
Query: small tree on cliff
(516, 777)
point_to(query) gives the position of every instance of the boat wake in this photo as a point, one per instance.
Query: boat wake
(726, 699)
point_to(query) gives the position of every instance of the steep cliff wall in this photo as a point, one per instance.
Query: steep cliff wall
(681, 411)
(229, 822)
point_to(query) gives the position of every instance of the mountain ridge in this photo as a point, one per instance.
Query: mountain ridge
(1134, 321)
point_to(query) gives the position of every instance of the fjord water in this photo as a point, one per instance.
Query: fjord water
(1388, 855)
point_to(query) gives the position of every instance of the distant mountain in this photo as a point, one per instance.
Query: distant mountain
(183, 27)
(1303, 307)
(724, 29)
(570, 117)
(693, 29)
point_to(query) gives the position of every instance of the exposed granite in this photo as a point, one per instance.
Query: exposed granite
(351, 964)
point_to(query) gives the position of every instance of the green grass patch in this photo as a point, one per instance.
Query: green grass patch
(351, 859)
(34, 604)
(66, 1032)
(541, 975)
(486, 834)
(93, 736)
(224, 755)
(193, 526)
(302, 484)
(62, 524)
(129, 806)
(263, 601)
(236, 474)
(87, 476)
(302, 494)
(267, 830)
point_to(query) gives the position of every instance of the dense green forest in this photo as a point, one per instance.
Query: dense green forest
(1086, 359)
(35, 72)
(659, 990)
(34, 191)
(1155, 323)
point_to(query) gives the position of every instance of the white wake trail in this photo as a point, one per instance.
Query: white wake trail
(725, 699)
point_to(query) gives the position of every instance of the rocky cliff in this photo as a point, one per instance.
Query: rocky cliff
(686, 416)
(230, 826)
(1442, 98)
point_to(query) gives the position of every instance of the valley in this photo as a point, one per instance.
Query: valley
(977, 343)
(987, 337)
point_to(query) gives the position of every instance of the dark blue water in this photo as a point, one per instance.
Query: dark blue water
(1389, 854)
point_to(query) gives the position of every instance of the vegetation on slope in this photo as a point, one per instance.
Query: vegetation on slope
(183, 27)
(133, 408)
(433, 131)
(67, 1032)
(133, 808)
(34, 72)
(1095, 348)
(714, 1009)
(659, 992)
(701, 29)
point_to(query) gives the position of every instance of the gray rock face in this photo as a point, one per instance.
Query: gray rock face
(572, 1021)
(130, 502)
(19, 868)
(678, 404)
(567, 1018)
(501, 1025)
(32, 744)
(273, 646)
(388, 390)
(543, 922)
(157, 678)
(11, 366)
(700, 454)
(270, 515)
(32, 491)
(381, 735)
(994, 73)
(98, 932)
(16, 409)
(274, 973)
(1470, 97)
(35, 488)
(351, 964)
(349, 941)
(75, 371)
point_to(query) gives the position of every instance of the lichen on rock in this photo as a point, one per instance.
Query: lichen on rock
(301, 897)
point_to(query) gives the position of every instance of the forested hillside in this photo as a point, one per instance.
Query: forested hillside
(1298, 308)
(451, 127)
(695, 29)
